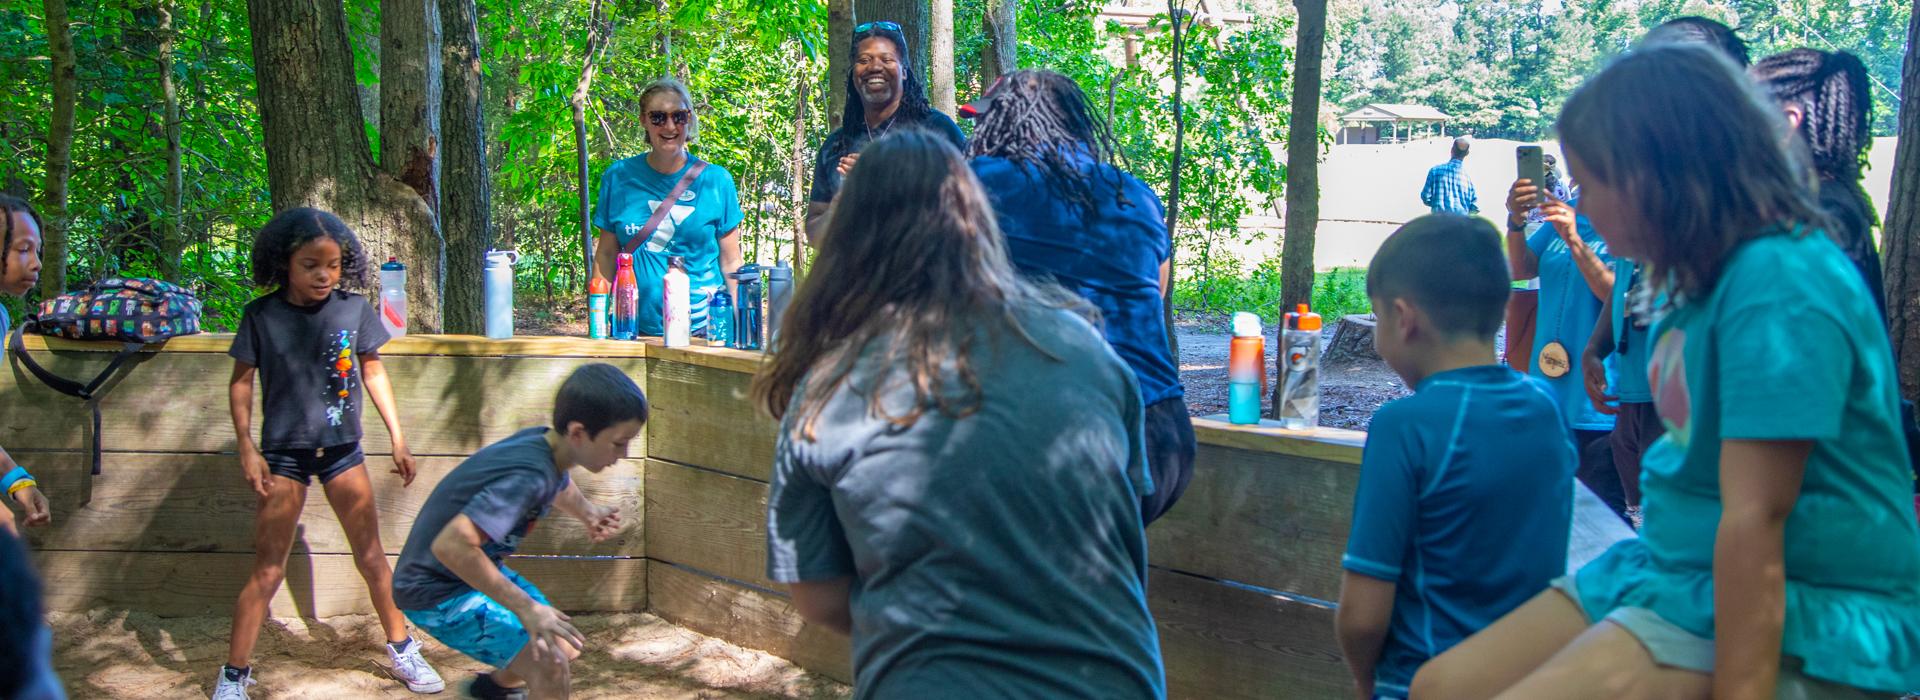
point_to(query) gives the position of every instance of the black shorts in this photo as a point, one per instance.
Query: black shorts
(1170, 452)
(305, 464)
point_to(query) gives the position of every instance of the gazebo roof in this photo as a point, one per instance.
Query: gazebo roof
(1394, 113)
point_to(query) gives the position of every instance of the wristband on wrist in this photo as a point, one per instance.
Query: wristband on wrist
(16, 479)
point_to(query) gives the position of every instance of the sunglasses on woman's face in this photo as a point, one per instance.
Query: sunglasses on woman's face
(679, 117)
(870, 26)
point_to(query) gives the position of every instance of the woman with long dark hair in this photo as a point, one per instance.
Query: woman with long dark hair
(1045, 157)
(960, 461)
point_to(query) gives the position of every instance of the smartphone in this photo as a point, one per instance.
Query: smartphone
(1533, 166)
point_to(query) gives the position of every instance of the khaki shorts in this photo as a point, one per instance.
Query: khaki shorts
(1673, 647)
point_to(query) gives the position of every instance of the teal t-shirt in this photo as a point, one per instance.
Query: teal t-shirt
(998, 554)
(1787, 346)
(1630, 328)
(706, 212)
(1567, 312)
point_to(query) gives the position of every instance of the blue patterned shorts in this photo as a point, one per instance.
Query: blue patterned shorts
(478, 626)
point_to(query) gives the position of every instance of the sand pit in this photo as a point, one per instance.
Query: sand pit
(116, 654)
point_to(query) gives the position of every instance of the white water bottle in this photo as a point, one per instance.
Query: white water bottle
(675, 304)
(393, 297)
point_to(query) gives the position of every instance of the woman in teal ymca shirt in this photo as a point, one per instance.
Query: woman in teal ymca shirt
(700, 226)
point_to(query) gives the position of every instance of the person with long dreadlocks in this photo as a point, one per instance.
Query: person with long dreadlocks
(1045, 157)
(884, 92)
(19, 272)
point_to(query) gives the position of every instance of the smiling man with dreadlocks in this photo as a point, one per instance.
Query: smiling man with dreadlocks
(884, 92)
(1045, 158)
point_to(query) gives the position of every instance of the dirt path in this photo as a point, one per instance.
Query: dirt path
(115, 654)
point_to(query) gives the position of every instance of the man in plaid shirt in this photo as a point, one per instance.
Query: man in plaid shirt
(1448, 190)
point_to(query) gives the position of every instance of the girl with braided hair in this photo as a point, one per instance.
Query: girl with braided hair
(1068, 214)
(19, 272)
(1824, 96)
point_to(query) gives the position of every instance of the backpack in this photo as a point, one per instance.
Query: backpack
(131, 310)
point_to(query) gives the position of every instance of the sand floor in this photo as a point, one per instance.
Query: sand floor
(116, 654)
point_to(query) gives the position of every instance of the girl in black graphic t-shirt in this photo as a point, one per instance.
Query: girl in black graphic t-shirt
(313, 346)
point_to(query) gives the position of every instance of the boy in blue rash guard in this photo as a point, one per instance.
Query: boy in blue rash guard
(1463, 507)
(19, 272)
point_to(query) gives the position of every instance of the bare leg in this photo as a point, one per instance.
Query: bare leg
(546, 680)
(351, 495)
(1502, 654)
(1604, 663)
(272, 538)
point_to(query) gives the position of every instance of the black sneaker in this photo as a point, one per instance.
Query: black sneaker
(485, 689)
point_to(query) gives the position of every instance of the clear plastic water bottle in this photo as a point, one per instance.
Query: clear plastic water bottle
(720, 319)
(393, 297)
(746, 308)
(1299, 407)
(675, 304)
(626, 300)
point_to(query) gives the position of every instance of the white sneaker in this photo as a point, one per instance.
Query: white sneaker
(232, 689)
(412, 668)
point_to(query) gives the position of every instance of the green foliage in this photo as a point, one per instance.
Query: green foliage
(1502, 68)
(1226, 289)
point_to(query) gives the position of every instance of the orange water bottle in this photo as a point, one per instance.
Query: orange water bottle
(1246, 370)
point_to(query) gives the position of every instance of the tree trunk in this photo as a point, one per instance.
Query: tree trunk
(800, 170)
(1303, 156)
(840, 23)
(1001, 54)
(410, 112)
(913, 16)
(172, 243)
(596, 40)
(465, 217)
(317, 154)
(53, 203)
(1902, 231)
(1178, 16)
(940, 56)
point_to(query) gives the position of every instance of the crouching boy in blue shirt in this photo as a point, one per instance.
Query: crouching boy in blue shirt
(1465, 494)
(451, 580)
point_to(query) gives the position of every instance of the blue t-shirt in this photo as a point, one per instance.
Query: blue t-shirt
(1632, 311)
(1110, 256)
(1567, 312)
(1465, 504)
(504, 489)
(708, 211)
(1786, 346)
(995, 555)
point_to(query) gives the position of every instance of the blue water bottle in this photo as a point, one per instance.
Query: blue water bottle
(720, 319)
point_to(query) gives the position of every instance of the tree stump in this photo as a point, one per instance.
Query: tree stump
(1352, 340)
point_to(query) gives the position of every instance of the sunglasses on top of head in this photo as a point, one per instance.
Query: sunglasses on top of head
(679, 117)
(870, 26)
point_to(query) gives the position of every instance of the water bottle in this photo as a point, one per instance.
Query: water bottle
(1246, 370)
(746, 307)
(626, 300)
(720, 319)
(393, 297)
(779, 294)
(599, 296)
(675, 303)
(499, 293)
(1299, 407)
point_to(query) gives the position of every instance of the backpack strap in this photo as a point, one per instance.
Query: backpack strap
(85, 392)
(666, 206)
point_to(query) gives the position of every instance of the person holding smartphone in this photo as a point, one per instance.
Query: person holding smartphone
(884, 93)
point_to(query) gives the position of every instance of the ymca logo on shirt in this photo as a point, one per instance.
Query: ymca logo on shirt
(657, 243)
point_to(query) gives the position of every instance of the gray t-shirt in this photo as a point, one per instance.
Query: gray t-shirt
(504, 488)
(996, 555)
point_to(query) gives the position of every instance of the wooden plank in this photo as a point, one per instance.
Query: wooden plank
(176, 584)
(1331, 444)
(199, 503)
(729, 359)
(704, 417)
(708, 521)
(1223, 641)
(177, 402)
(749, 617)
(453, 345)
(1274, 521)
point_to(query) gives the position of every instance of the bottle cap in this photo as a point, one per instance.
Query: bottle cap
(1308, 320)
(1246, 325)
(599, 286)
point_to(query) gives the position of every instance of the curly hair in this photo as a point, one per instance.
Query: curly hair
(1043, 119)
(274, 245)
(10, 205)
(914, 107)
(1831, 90)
